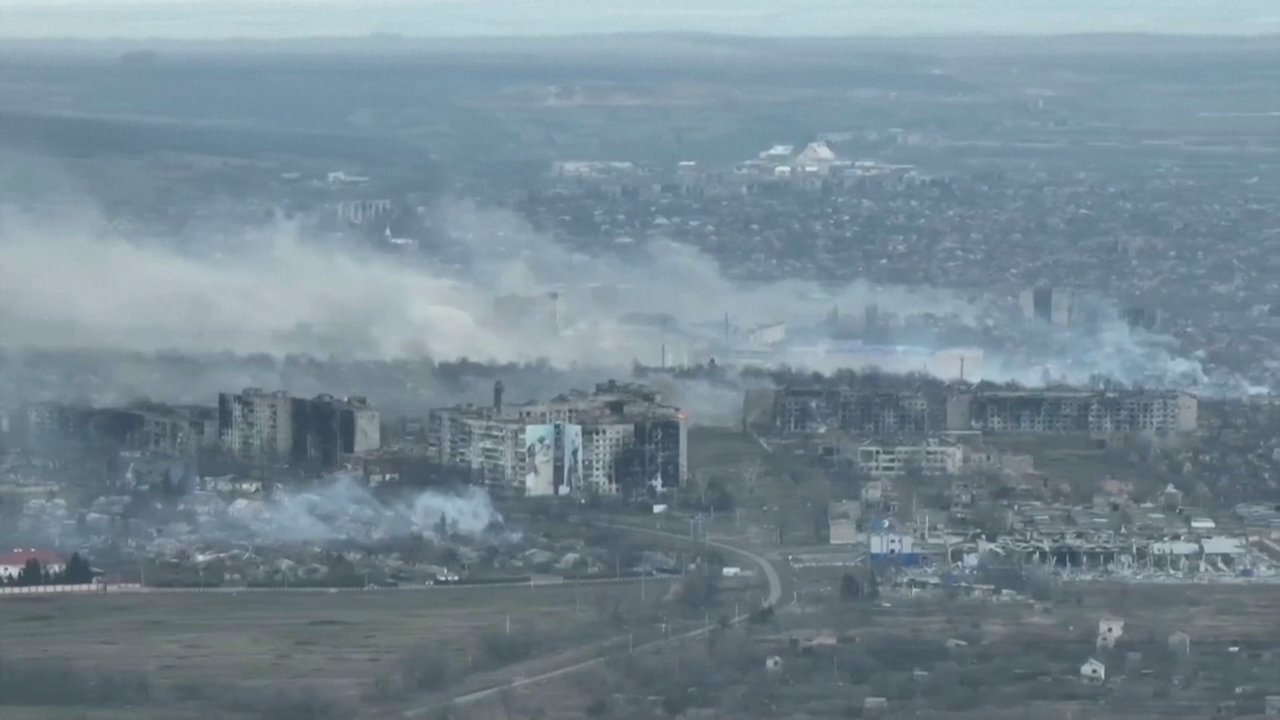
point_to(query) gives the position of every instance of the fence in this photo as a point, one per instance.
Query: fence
(53, 589)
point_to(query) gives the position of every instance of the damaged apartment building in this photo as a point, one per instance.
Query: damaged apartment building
(617, 438)
(1158, 412)
(878, 412)
(875, 412)
(141, 426)
(274, 428)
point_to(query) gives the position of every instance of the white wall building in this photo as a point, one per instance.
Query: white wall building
(888, 544)
(930, 458)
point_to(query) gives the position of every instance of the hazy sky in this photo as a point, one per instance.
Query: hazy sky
(299, 18)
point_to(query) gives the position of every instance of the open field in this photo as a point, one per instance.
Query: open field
(335, 643)
(1018, 660)
(779, 495)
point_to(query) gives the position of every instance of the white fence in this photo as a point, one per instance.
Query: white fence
(57, 589)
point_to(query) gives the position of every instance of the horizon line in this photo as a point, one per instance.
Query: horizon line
(674, 34)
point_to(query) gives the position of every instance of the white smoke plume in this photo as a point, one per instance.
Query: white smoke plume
(343, 509)
(70, 281)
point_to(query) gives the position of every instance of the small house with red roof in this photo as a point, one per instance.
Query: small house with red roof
(11, 563)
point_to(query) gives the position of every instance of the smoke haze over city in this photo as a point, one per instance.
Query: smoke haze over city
(70, 281)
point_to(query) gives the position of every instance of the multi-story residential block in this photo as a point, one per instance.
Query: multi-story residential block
(325, 429)
(261, 426)
(873, 412)
(617, 437)
(256, 425)
(1074, 411)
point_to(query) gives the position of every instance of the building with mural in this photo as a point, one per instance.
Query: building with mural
(617, 439)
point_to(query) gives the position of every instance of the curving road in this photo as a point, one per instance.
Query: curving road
(775, 594)
(770, 572)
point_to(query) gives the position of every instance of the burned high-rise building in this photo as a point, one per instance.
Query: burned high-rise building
(144, 426)
(327, 429)
(1073, 411)
(872, 411)
(657, 455)
(272, 427)
(159, 428)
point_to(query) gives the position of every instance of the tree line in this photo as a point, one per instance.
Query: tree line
(76, 572)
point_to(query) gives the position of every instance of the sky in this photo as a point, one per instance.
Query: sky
(215, 19)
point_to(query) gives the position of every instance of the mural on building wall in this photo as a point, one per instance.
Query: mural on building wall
(572, 479)
(539, 476)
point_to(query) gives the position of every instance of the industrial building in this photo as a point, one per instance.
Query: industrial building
(272, 427)
(618, 437)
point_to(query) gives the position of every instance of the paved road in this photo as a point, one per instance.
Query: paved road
(770, 572)
(115, 589)
(776, 589)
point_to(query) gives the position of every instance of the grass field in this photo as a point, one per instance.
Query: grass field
(1021, 662)
(331, 642)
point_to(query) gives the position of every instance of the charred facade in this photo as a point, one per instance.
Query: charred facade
(1072, 411)
(877, 412)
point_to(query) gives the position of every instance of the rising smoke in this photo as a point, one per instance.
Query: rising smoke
(176, 317)
(342, 509)
(75, 283)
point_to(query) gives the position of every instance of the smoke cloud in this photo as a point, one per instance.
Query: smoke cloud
(343, 509)
(223, 307)
(77, 283)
